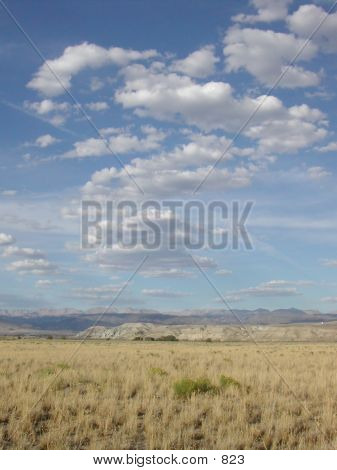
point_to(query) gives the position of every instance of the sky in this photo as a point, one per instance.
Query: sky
(93, 92)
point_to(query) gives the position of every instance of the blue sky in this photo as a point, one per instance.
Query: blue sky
(168, 84)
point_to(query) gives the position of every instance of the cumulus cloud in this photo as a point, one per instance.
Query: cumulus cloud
(267, 11)
(54, 112)
(45, 141)
(32, 266)
(287, 135)
(168, 96)
(265, 54)
(182, 168)
(213, 106)
(46, 106)
(198, 152)
(97, 106)
(6, 239)
(124, 142)
(75, 59)
(117, 258)
(23, 252)
(96, 84)
(9, 192)
(165, 182)
(317, 173)
(306, 19)
(330, 147)
(198, 64)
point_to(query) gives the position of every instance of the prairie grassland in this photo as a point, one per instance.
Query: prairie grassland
(122, 395)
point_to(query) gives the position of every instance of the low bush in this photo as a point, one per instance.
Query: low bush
(226, 381)
(157, 371)
(168, 338)
(185, 388)
(63, 365)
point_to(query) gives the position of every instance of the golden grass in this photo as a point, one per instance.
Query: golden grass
(120, 395)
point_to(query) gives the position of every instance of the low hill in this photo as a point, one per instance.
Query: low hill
(150, 331)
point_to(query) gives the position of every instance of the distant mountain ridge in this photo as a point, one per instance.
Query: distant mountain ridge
(72, 321)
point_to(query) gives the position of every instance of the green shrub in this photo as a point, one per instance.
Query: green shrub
(157, 371)
(185, 388)
(63, 365)
(168, 338)
(46, 371)
(226, 381)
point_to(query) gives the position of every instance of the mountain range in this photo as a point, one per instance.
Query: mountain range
(71, 321)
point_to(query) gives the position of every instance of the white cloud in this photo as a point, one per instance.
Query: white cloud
(52, 111)
(163, 293)
(125, 142)
(265, 54)
(213, 106)
(329, 299)
(23, 252)
(306, 19)
(104, 292)
(269, 289)
(223, 272)
(330, 263)
(199, 63)
(267, 11)
(9, 192)
(167, 273)
(45, 141)
(122, 259)
(178, 170)
(181, 169)
(330, 147)
(97, 106)
(46, 106)
(317, 173)
(165, 182)
(168, 96)
(286, 135)
(32, 266)
(96, 84)
(287, 283)
(43, 283)
(77, 58)
(6, 239)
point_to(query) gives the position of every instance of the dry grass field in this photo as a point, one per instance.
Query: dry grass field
(133, 395)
